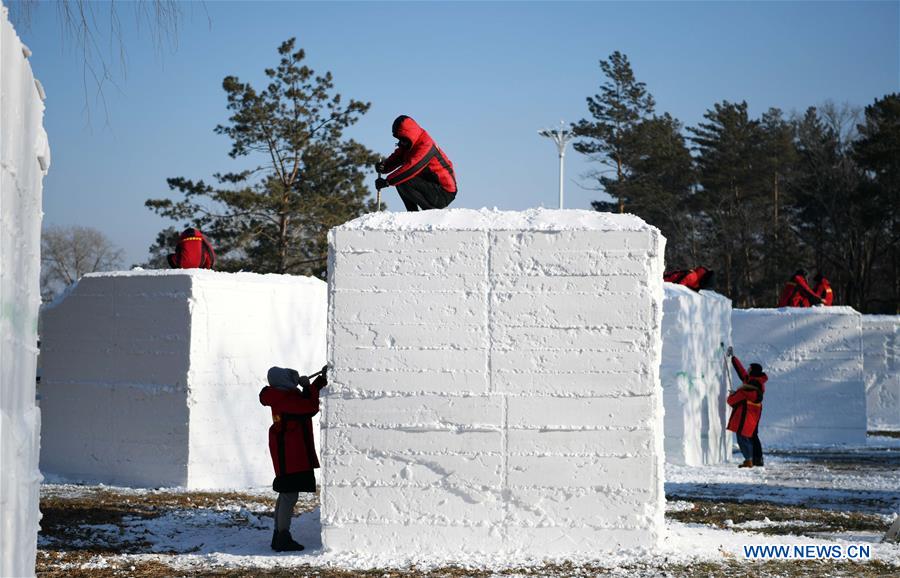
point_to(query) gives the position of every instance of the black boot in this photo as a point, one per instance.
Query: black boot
(283, 542)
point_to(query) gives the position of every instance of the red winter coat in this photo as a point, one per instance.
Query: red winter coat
(746, 402)
(424, 154)
(690, 279)
(291, 441)
(193, 251)
(823, 290)
(797, 293)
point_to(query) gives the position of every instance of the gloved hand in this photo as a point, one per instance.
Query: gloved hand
(730, 351)
(379, 167)
(381, 183)
(325, 373)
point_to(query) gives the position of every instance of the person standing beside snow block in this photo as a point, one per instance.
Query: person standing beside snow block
(420, 170)
(746, 404)
(192, 252)
(291, 444)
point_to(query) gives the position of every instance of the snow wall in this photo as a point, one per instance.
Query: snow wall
(881, 363)
(814, 359)
(696, 327)
(495, 385)
(151, 378)
(24, 160)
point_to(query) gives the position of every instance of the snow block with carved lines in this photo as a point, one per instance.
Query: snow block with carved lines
(495, 384)
(813, 356)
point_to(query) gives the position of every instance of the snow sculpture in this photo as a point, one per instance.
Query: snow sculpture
(495, 384)
(881, 363)
(813, 356)
(24, 160)
(694, 328)
(150, 378)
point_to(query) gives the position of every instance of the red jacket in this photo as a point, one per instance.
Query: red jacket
(690, 278)
(746, 402)
(797, 293)
(291, 441)
(424, 154)
(823, 290)
(193, 251)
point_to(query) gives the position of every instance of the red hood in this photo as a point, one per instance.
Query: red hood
(407, 128)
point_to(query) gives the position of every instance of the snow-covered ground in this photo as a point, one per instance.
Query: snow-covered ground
(235, 532)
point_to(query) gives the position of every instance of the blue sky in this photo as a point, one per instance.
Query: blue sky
(481, 77)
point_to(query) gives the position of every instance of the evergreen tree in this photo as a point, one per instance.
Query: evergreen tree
(732, 195)
(877, 151)
(617, 109)
(273, 218)
(658, 178)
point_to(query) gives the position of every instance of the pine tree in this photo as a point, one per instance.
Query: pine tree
(617, 109)
(877, 151)
(273, 218)
(732, 195)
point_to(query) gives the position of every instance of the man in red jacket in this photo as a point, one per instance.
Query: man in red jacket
(697, 278)
(823, 289)
(291, 444)
(193, 251)
(420, 170)
(746, 409)
(797, 292)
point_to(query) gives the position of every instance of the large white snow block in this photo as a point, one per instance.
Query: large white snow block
(24, 160)
(696, 328)
(495, 384)
(814, 359)
(881, 363)
(151, 378)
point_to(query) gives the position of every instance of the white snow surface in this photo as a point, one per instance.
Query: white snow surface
(881, 363)
(496, 220)
(24, 160)
(814, 359)
(238, 537)
(696, 328)
(150, 378)
(495, 384)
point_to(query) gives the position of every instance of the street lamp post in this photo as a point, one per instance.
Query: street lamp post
(560, 136)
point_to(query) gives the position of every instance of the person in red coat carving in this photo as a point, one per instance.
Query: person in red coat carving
(746, 410)
(823, 289)
(697, 278)
(291, 444)
(419, 169)
(193, 251)
(798, 293)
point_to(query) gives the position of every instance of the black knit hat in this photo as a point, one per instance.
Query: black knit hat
(756, 369)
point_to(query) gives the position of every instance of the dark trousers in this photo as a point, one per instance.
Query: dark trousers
(419, 193)
(757, 448)
(746, 445)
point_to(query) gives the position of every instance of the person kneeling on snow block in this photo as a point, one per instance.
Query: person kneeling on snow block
(746, 410)
(291, 443)
(420, 170)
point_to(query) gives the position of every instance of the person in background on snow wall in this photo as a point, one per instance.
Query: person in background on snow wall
(823, 289)
(798, 293)
(193, 251)
(420, 170)
(746, 404)
(697, 278)
(291, 444)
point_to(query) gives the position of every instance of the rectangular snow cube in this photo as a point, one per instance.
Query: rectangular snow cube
(495, 384)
